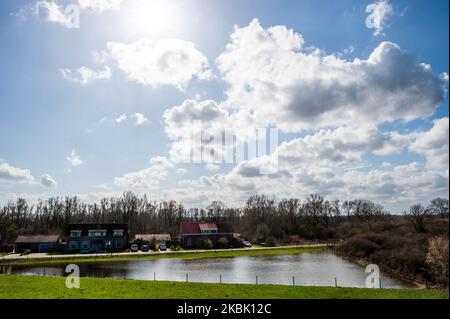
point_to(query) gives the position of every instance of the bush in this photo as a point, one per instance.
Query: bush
(358, 246)
(223, 242)
(401, 253)
(437, 258)
(237, 242)
(207, 244)
(154, 245)
(26, 252)
(272, 242)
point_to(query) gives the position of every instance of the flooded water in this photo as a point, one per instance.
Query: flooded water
(312, 269)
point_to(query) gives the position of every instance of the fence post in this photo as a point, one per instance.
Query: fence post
(187, 277)
(256, 279)
(293, 280)
(335, 282)
(220, 278)
(154, 275)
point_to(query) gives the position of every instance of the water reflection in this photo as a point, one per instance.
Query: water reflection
(313, 269)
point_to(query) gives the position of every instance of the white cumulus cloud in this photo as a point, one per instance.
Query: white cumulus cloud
(272, 80)
(48, 181)
(13, 174)
(147, 178)
(162, 62)
(434, 144)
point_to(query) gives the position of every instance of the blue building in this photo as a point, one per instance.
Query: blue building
(93, 238)
(37, 243)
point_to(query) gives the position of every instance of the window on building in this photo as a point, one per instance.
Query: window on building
(97, 233)
(85, 244)
(118, 232)
(72, 245)
(209, 231)
(75, 233)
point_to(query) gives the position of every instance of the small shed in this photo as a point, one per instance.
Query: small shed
(157, 237)
(36, 243)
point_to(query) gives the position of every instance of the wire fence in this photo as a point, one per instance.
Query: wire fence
(257, 279)
(420, 280)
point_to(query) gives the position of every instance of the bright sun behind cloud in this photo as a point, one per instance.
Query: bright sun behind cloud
(152, 17)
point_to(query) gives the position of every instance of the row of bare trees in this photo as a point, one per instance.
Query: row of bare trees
(419, 214)
(261, 219)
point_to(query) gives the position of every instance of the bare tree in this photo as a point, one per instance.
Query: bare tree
(417, 215)
(439, 207)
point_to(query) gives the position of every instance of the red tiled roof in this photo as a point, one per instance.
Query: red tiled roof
(190, 228)
(207, 226)
(195, 228)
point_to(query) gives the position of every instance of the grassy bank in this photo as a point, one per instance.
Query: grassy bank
(13, 286)
(181, 254)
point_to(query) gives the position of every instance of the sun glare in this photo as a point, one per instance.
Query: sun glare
(152, 16)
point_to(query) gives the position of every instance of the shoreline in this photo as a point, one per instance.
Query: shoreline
(185, 254)
(420, 283)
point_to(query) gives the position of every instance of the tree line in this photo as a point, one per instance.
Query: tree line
(261, 219)
(415, 242)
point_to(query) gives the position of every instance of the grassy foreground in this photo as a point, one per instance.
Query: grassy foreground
(179, 254)
(26, 287)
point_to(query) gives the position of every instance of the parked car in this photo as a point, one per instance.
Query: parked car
(134, 248)
(145, 248)
(246, 243)
(162, 246)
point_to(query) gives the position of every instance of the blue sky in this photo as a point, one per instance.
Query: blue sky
(46, 113)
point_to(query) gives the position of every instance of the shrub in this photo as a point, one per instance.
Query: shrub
(154, 244)
(359, 247)
(207, 244)
(223, 242)
(26, 252)
(437, 258)
(262, 232)
(271, 242)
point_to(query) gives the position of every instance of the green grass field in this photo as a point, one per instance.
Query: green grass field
(182, 254)
(15, 286)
